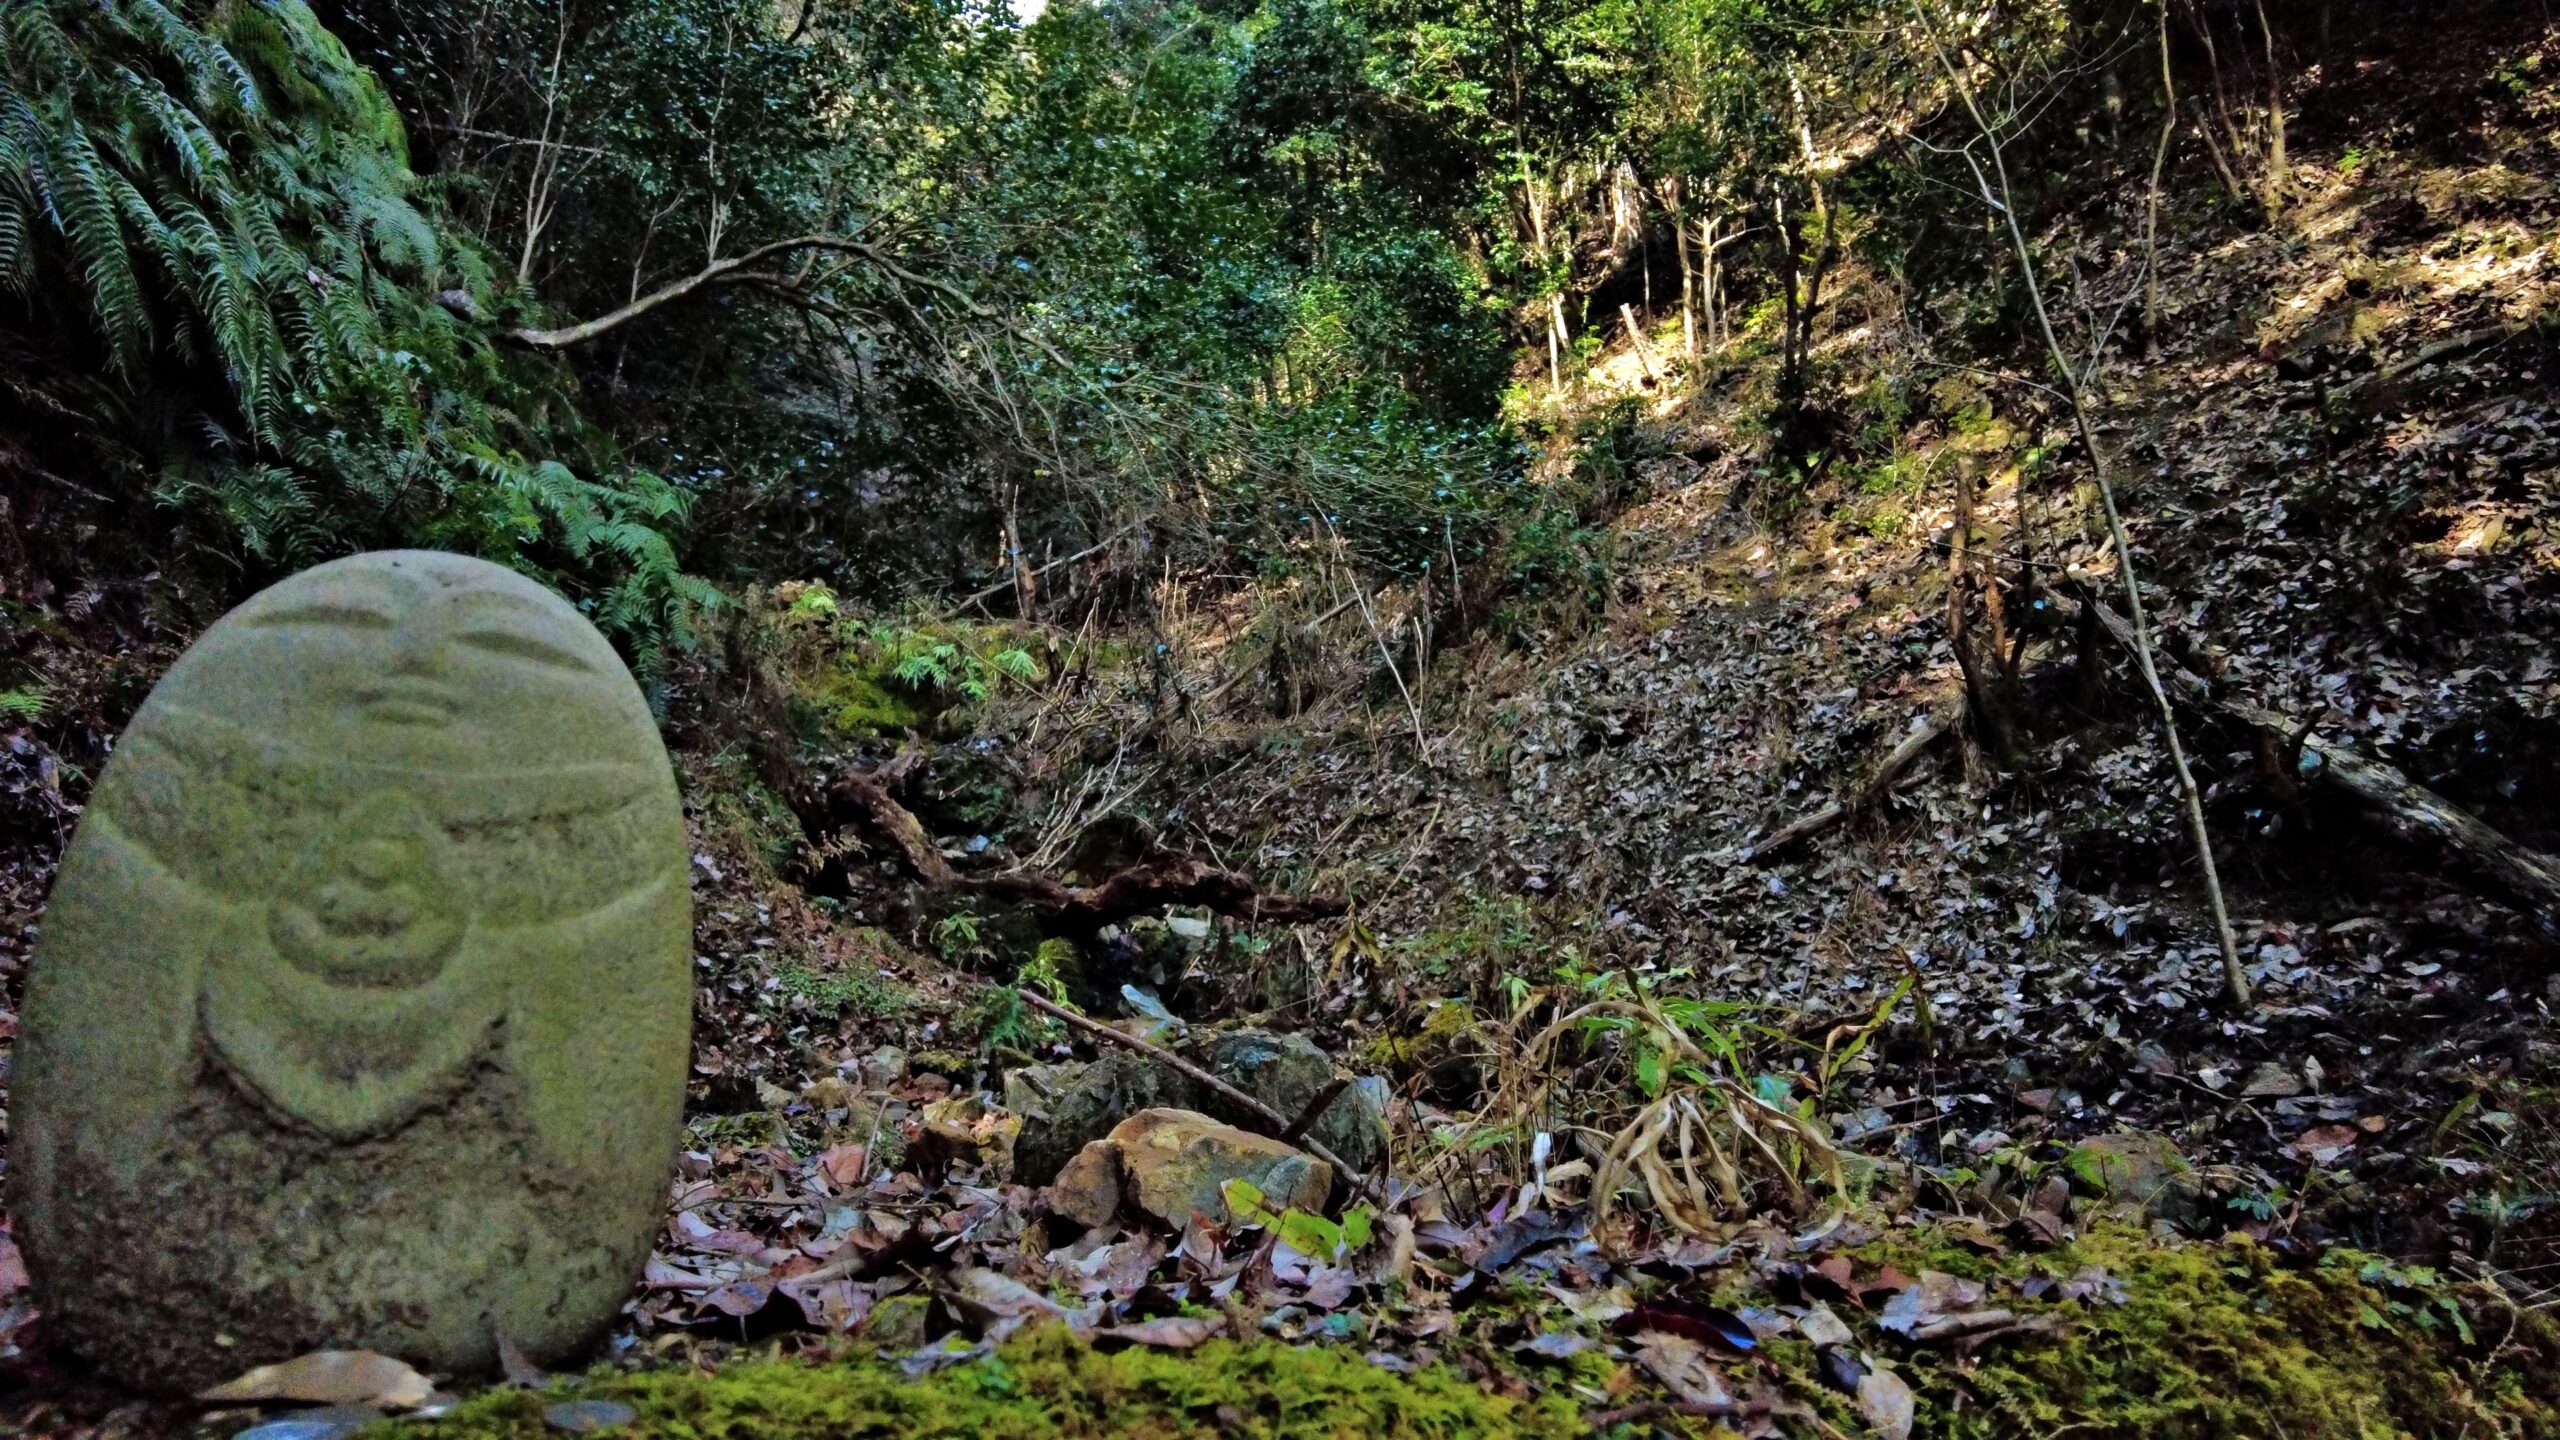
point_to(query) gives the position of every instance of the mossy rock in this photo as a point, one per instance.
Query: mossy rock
(2140, 1174)
(1438, 1047)
(1282, 1071)
(1044, 1386)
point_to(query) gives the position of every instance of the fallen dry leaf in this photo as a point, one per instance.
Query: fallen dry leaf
(1169, 1332)
(1887, 1404)
(845, 1165)
(330, 1377)
(2324, 1143)
(999, 1304)
(1682, 1367)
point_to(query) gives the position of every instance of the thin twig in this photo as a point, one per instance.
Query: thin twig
(1315, 1108)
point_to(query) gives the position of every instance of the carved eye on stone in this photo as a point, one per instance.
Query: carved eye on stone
(326, 614)
(517, 645)
(373, 901)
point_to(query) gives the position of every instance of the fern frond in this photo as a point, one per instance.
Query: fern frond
(84, 211)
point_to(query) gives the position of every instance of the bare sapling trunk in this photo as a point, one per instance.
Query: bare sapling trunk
(1688, 283)
(2151, 198)
(2221, 109)
(1555, 341)
(2277, 177)
(2000, 196)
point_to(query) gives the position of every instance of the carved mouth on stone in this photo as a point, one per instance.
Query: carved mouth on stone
(405, 701)
(353, 934)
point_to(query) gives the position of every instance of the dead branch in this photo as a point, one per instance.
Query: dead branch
(1063, 909)
(1280, 1126)
(740, 269)
(2001, 199)
(2526, 879)
(1939, 722)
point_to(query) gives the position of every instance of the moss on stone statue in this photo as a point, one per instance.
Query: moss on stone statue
(1043, 1386)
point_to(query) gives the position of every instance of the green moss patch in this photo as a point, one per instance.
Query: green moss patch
(2231, 1339)
(1040, 1387)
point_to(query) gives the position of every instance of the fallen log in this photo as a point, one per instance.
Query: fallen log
(1063, 909)
(2508, 872)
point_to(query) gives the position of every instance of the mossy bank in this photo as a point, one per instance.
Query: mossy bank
(1044, 1386)
(2232, 1339)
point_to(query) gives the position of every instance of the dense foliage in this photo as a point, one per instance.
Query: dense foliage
(911, 295)
(211, 224)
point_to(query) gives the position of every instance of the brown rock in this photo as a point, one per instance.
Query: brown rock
(1088, 1190)
(1175, 1163)
(965, 1129)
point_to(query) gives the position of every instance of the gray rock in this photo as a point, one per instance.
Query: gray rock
(362, 1005)
(883, 1068)
(1066, 1108)
(333, 1422)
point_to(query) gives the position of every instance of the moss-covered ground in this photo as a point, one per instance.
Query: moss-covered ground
(2232, 1338)
(2224, 1339)
(1043, 1386)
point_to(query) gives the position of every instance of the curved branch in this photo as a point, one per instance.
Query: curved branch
(739, 269)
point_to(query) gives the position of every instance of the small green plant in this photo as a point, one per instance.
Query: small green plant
(956, 935)
(883, 676)
(837, 995)
(1650, 1022)
(1311, 1235)
(954, 664)
(1044, 971)
(27, 704)
(2354, 160)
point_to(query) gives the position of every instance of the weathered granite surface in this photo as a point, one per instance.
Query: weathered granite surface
(360, 1014)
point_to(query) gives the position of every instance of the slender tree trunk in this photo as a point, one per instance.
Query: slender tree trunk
(2151, 200)
(2221, 97)
(2002, 200)
(1710, 279)
(1557, 339)
(1688, 288)
(2278, 177)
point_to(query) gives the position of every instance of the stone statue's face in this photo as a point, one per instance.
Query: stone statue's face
(375, 902)
(420, 660)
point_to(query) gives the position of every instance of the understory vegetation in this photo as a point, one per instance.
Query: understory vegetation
(1883, 668)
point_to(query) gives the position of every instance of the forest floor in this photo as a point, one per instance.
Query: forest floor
(1997, 962)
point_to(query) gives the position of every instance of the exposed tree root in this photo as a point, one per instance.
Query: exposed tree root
(1063, 909)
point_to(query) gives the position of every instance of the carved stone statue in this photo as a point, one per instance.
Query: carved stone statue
(359, 1016)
